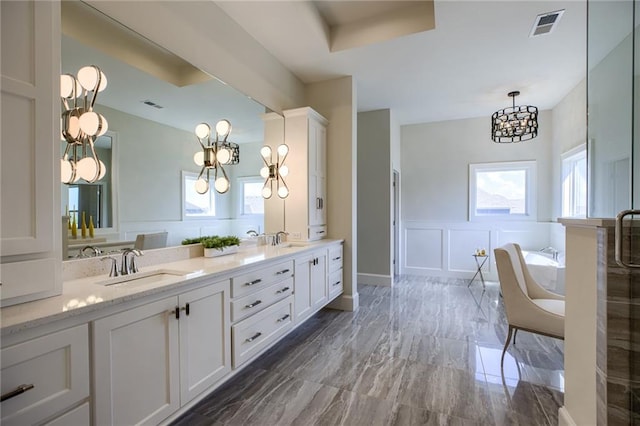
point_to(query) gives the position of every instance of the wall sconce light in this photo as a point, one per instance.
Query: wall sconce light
(81, 125)
(214, 154)
(274, 171)
(515, 124)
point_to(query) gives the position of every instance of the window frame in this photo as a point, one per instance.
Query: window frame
(530, 168)
(241, 181)
(573, 155)
(213, 197)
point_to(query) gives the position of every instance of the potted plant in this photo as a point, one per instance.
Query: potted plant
(216, 246)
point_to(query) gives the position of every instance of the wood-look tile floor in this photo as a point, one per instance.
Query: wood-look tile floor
(425, 352)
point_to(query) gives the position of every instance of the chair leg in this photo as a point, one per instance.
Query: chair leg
(515, 333)
(506, 344)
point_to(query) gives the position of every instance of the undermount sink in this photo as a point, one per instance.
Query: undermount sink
(288, 245)
(145, 277)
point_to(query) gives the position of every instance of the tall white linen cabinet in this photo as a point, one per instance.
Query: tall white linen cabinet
(305, 132)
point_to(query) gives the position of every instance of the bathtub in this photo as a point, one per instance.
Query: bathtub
(547, 272)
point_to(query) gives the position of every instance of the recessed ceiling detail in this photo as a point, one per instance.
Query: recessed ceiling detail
(93, 28)
(360, 23)
(545, 23)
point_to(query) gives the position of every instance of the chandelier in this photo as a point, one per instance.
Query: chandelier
(514, 124)
(81, 125)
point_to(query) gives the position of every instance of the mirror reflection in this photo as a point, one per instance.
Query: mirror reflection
(154, 102)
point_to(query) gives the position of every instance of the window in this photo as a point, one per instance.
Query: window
(574, 182)
(251, 201)
(502, 191)
(194, 205)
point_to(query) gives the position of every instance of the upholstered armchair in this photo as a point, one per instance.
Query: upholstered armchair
(528, 305)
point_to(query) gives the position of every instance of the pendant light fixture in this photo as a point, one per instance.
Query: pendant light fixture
(274, 171)
(514, 124)
(81, 125)
(215, 153)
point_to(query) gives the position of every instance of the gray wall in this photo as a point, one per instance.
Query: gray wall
(374, 193)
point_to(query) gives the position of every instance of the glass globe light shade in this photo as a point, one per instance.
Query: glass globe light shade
(224, 156)
(198, 158)
(90, 123)
(73, 128)
(66, 171)
(202, 186)
(223, 127)
(203, 130)
(265, 151)
(221, 184)
(66, 85)
(88, 77)
(283, 192)
(103, 170)
(104, 125)
(87, 169)
(264, 172)
(266, 192)
(283, 150)
(284, 171)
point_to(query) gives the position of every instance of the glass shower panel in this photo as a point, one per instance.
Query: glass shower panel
(610, 56)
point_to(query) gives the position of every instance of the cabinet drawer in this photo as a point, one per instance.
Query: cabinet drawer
(57, 365)
(336, 285)
(257, 301)
(260, 330)
(251, 281)
(335, 258)
(317, 232)
(77, 417)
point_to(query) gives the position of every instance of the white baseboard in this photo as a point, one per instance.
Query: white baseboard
(375, 279)
(346, 302)
(564, 418)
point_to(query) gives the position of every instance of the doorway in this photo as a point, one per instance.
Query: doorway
(396, 223)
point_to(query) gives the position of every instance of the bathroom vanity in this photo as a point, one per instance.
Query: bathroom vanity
(145, 349)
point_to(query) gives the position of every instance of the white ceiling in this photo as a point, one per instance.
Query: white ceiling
(478, 52)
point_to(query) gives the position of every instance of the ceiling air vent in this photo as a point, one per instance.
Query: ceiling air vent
(546, 23)
(152, 104)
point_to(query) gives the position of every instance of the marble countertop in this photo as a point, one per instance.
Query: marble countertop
(83, 295)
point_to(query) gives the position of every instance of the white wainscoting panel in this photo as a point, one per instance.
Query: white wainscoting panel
(423, 248)
(463, 244)
(445, 249)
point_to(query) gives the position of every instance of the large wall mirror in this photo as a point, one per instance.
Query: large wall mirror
(153, 102)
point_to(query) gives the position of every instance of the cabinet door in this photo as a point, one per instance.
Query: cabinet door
(302, 287)
(319, 289)
(136, 365)
(29, 150)
(205, 341)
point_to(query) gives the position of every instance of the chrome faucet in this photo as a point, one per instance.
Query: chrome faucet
(96, 251)
(278, 238)
(551, 250)
(113, 272)
(128, 266)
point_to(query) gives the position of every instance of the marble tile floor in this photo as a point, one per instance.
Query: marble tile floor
(425, 352)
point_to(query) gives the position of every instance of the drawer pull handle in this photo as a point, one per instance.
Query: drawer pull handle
(251, 305)
(283, 318)
(17, 391)
(337, 258)
(253, 282)
(319, 232)
(284, 271)
(176, 312)
(254, 337)
(336, 283)
(282, 290)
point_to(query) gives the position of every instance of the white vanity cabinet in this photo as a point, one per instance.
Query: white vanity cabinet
(261, 309)
(29, 151)
(44, 377)
(150, 360)
(335, 282)
(311, 291)
(305, 209)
